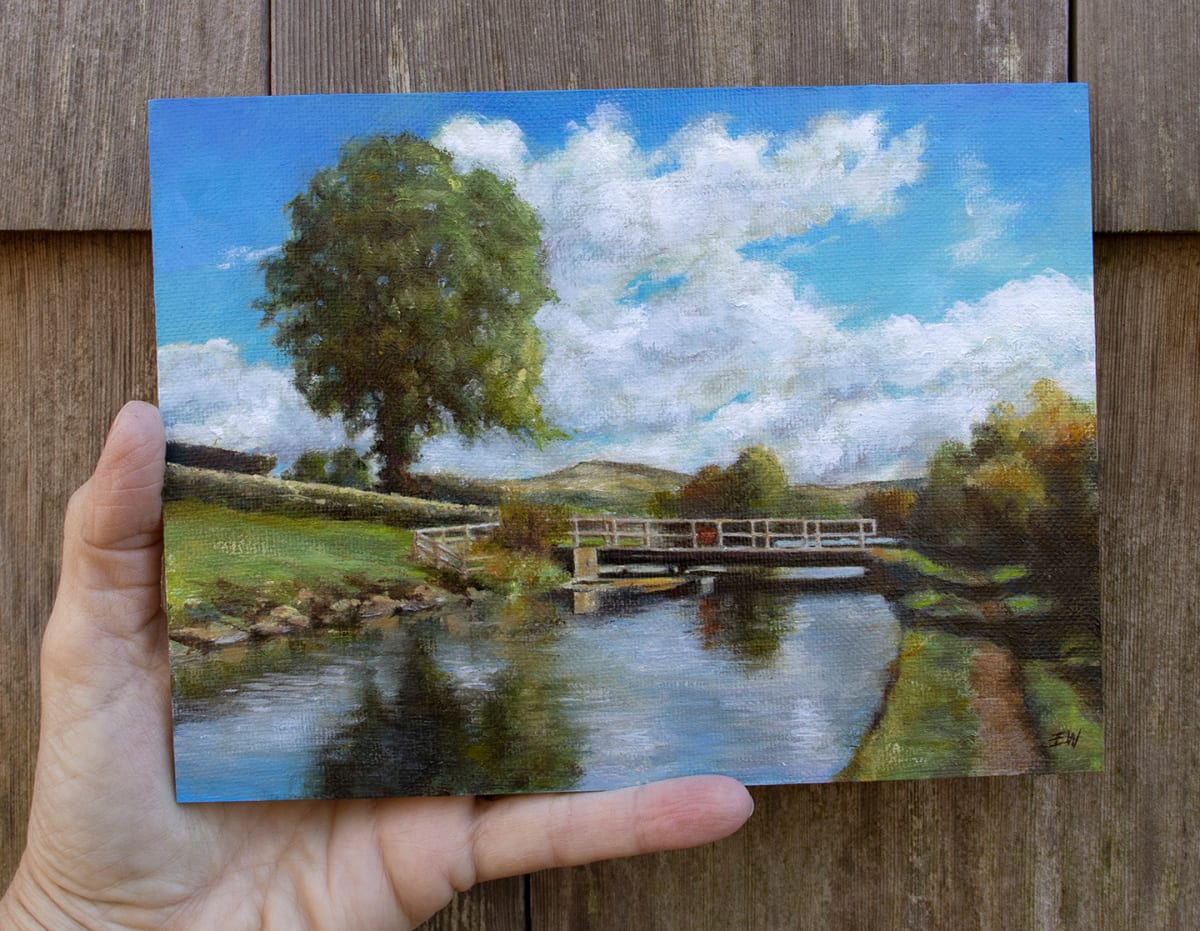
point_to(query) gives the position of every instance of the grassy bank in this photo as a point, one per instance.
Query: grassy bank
(928, 726)
(918, 566)
(1071, 731)
(207, 544)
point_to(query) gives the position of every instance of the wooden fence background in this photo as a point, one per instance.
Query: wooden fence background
(76, 340)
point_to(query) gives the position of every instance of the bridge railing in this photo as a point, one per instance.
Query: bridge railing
(723, 533)
(449, 548)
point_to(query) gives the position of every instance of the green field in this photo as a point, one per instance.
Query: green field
(274, 553)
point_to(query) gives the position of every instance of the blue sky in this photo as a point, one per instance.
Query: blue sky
(838, 213)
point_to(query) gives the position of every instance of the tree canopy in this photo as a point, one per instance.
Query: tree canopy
(1024, 487)
(405, 297)
(755, 485)
(343, 467)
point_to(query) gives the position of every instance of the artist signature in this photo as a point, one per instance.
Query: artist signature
(1065, 738)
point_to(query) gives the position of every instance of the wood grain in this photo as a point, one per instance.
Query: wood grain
(78, 341)
(1111, 851)
(1141, 59)
(77, 74)
(369, 46)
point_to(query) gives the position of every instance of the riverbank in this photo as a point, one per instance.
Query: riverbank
(994, 676)
(236, 575)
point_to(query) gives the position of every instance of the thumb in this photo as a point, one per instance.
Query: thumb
(107, 612)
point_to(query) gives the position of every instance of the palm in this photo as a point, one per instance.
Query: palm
(108, 844)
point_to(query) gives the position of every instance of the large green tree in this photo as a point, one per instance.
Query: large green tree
(405, 297)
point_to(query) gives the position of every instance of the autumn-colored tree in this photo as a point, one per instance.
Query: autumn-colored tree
(1026, 485)
(708, 494)
(892, 508)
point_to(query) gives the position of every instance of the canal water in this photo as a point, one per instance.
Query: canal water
(769, 681)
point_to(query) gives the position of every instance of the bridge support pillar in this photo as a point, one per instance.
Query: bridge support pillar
(586, 564)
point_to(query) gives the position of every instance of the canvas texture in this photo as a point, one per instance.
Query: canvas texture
(553, 441)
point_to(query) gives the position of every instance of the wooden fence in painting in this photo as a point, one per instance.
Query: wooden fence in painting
(449, 548)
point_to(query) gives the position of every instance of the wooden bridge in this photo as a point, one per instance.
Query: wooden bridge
(761, 541)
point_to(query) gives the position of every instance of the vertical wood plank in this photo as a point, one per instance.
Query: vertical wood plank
(1083, 851)
(77, 76)
(363, 46)
(1150, 382)
(77, 319)
(1141, 59)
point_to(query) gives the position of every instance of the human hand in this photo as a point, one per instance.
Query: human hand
(109, 847)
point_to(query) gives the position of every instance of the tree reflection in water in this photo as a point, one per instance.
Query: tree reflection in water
(746, 619)
(438, 736)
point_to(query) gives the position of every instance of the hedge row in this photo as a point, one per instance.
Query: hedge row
(305, 499)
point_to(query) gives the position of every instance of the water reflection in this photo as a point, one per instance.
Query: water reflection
(766, 681)
(434, 735)
(750, 624)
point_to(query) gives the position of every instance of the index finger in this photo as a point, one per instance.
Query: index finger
(521, 834)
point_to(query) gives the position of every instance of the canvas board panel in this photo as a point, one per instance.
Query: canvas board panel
(568, 440)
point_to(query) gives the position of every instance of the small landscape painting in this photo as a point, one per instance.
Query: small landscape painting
(552, 441)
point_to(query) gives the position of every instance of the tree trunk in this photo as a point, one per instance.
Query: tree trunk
(397, 448)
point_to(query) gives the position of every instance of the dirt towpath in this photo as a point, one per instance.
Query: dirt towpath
(1008, 742)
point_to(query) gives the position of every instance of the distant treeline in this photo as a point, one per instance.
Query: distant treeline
(1023, 489)
(214, 457)
(755, 485)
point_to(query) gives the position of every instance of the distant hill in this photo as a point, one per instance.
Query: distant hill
(595, 485)
(600, 486)
(851, 495)
(614, 487)
(605, 470)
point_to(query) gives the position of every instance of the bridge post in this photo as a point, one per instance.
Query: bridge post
(586, 564)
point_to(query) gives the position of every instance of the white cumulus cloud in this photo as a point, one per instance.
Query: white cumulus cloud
(669, 345)
(672, 345)
(838, 405)
(210, 395)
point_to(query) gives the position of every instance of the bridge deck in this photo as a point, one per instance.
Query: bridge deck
(737, 555)
(760, 541)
